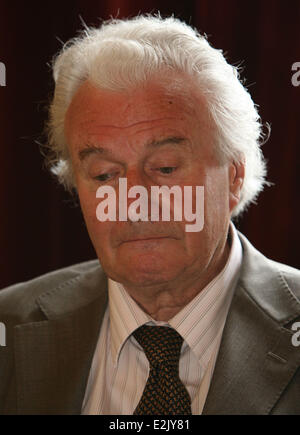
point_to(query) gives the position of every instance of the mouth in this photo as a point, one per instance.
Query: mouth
(146, 238)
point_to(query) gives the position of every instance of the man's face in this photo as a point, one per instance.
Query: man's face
(153, 136)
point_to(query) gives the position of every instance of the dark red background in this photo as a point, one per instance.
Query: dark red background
(40, 229)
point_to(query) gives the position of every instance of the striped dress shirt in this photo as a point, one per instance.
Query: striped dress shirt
(120, 368)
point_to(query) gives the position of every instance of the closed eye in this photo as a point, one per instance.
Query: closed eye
(167, 169)
(103, 177)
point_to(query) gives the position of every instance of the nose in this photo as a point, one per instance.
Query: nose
(136, 177)
(138, 192)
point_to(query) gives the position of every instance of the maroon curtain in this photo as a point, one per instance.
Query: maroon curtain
(40, 227)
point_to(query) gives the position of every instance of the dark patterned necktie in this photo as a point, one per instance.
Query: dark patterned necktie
(164, 393)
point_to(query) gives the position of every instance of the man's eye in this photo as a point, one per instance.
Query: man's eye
(167, 169)
(103, 177)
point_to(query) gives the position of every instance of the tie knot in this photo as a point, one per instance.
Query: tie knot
(161, 344)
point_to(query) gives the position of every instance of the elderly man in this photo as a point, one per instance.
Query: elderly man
(175, 319)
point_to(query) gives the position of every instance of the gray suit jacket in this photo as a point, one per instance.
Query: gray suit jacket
(53, 322)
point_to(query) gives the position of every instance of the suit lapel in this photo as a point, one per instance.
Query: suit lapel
(256, 358)
(255, 362)
(53, 357)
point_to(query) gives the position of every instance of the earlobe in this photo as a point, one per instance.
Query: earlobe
(236, 179)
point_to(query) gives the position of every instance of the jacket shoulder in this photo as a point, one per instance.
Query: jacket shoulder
(257, 262)
(290, 276)
(18, 301)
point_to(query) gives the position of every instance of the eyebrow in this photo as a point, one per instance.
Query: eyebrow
(172, 140)
(92, 149)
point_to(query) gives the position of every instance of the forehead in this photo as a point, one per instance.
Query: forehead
(175, 104)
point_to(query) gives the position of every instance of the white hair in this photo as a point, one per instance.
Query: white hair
(124, 53)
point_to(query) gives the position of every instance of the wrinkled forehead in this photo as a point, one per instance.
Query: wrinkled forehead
(177, 97)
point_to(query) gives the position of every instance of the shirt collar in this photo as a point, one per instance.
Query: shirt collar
(126, 316)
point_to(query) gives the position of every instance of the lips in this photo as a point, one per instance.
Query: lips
(145, 238)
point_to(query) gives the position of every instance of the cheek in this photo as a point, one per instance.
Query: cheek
(88, 203)
(217, 192)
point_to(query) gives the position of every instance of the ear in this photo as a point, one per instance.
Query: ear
(236, 179)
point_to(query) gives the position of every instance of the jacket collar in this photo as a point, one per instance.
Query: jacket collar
(256, 358)
(74, 294)
(264, 282)
(54, 356)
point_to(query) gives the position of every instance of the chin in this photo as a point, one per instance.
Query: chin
(144, 279)
(144, 273)
(143, 266)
